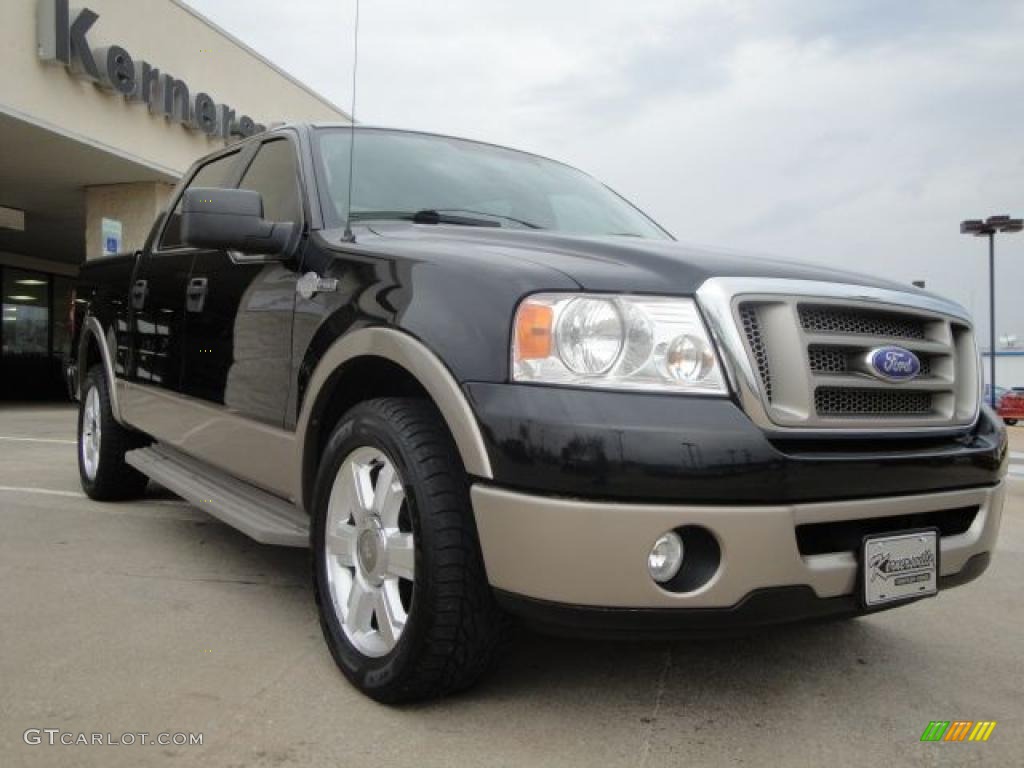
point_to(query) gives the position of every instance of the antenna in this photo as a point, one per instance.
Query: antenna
(348, 236)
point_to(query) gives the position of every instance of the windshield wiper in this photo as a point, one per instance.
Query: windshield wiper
(425, 216)
(443, 216)
(527, 224)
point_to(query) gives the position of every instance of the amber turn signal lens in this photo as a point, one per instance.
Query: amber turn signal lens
(533, 332)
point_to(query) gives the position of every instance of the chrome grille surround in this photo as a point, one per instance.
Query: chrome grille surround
(808, 371)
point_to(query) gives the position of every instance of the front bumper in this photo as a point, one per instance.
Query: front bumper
(660, 448)
(545, 552)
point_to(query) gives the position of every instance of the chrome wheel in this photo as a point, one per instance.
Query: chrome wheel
(370, 551)
(89, 440)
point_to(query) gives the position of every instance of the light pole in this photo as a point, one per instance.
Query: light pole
(988, 228)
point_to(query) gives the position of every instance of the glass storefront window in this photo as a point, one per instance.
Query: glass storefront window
(62, 288)
(26, 314)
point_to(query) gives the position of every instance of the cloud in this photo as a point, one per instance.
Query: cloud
(855, 134)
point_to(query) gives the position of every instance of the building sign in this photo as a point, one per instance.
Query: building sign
(111, 232)
(63, 38)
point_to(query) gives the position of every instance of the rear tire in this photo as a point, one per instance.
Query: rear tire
(102, 444)
(1011, 422)
(398, 576)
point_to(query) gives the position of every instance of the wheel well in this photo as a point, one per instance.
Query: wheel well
(359, 379)
(89, 356)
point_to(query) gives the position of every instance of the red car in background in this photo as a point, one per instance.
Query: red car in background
(1011, 406)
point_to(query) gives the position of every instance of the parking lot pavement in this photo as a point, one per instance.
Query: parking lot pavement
(153, 617)
(1017, 450)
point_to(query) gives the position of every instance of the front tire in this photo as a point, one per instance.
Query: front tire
(1011, 422)
(102, 444)
(404, 602)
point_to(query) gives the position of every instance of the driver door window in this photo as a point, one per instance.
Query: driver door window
(273, 173)
(217, 173)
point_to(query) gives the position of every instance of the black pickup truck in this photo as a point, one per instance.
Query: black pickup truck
(488, 386)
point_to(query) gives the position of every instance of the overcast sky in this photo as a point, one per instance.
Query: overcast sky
(856, 133)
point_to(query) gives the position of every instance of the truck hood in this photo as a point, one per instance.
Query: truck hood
(606, 263)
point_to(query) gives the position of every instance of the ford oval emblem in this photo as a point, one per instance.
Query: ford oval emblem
(894, 363)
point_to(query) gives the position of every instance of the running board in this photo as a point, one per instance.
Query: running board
(257, 514)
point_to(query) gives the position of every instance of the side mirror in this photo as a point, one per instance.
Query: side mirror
(231, 220)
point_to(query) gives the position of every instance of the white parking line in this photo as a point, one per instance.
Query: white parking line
(41, 491)
(36, 440)
(79, 495)
(1016, 456)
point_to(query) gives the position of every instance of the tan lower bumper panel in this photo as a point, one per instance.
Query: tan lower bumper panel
(594, 553)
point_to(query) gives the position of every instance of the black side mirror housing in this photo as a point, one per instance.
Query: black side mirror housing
(231, 220)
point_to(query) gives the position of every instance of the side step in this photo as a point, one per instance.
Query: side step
(257, 514)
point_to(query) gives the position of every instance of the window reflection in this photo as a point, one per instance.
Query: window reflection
(26, 314)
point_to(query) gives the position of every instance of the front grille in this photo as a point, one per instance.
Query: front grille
(837, 360)
(752, 329)
(828, 360)
(847, 535)
(810, 357)
(835, 401)
(819, 319)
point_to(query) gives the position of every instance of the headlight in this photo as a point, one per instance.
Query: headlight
(590, 336)
(614, 342)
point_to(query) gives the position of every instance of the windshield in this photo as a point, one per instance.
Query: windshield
(400, 174)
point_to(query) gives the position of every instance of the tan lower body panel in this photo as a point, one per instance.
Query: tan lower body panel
(255, 452)
(595, 553)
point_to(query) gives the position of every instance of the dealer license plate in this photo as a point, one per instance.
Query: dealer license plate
(900, 567)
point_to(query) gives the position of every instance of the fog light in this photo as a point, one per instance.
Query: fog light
(666, 557)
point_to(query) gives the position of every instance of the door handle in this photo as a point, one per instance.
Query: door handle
(195, 295)
(139, 292)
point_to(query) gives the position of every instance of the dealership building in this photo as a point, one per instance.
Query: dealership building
(103, 104)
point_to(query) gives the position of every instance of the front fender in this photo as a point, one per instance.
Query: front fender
(413, 356)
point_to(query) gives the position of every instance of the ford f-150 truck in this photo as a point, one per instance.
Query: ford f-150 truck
(477, 383)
